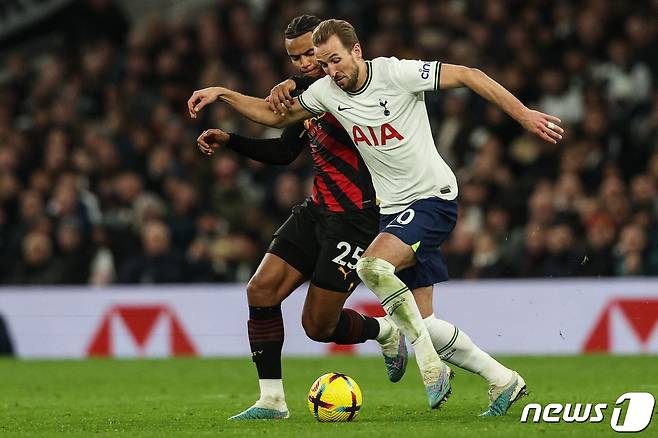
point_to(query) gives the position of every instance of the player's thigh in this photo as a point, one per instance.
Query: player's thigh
(274, 280)
(342, 238)
(289, 261)
(423, 296)
(342, 242)
(321, 311)
(391, 248)
(296, 241)
(414, 234)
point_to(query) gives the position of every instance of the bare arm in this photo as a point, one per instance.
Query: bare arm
(253, 108)
(540, 124)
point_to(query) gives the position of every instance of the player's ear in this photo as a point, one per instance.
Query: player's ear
(356, 51)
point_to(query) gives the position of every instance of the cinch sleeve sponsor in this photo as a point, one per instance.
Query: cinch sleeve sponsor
(415, 76)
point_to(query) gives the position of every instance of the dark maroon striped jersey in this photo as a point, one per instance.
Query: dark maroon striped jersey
(342, 180)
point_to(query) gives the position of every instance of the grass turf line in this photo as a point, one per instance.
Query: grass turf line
(194, 397)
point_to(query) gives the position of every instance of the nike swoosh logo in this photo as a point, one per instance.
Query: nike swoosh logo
(344, 108)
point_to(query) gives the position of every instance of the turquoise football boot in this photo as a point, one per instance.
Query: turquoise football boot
(396, 365)
(256, 413)
(439, 391)
(502, 397)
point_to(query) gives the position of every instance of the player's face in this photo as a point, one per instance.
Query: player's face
(302, 56)
(339, 62)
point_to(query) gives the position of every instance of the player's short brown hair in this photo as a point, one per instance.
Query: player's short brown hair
(341, 28)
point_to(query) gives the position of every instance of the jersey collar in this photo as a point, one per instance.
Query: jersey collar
(366, 83)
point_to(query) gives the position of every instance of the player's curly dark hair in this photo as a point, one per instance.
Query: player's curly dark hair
(301, 25)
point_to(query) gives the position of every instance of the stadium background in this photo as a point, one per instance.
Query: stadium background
(108, 213)
(101, 181)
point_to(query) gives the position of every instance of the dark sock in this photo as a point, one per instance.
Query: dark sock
(354, 328)
(265, 327)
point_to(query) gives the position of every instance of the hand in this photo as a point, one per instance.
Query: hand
(201, 98)
(542, 125)
(212, 139)
(280, 99)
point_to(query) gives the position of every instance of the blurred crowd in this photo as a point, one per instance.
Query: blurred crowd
(101, 181)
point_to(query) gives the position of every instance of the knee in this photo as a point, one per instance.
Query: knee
(372, 270)
(262, 292)
(319, 331)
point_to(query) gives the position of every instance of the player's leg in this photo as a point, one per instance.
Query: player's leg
(456, 347)
(343, 237)
(273, 281)
(377, 270)
(410, 242)
(325, 320)
(285, 266)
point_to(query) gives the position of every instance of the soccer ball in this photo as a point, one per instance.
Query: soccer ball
(334, 397)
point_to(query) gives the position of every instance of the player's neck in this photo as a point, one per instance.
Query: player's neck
(363, 74)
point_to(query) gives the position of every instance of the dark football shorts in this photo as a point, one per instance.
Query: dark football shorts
(325, 246)
(424, 226)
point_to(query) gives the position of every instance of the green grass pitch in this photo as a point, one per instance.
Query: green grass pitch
(193, 397)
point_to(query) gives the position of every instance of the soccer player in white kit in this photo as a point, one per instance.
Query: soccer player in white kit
(380, 102)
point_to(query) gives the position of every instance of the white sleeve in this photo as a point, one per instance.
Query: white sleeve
(310, 98)
(415, 76)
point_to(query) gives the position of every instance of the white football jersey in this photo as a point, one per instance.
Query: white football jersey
(388, 122)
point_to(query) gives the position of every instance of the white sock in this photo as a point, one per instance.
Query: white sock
(271, 395)
(398, 301)
(456, 347)
(428, 360)
(386, 329)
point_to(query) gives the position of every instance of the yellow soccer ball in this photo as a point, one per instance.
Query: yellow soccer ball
(334, 397)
